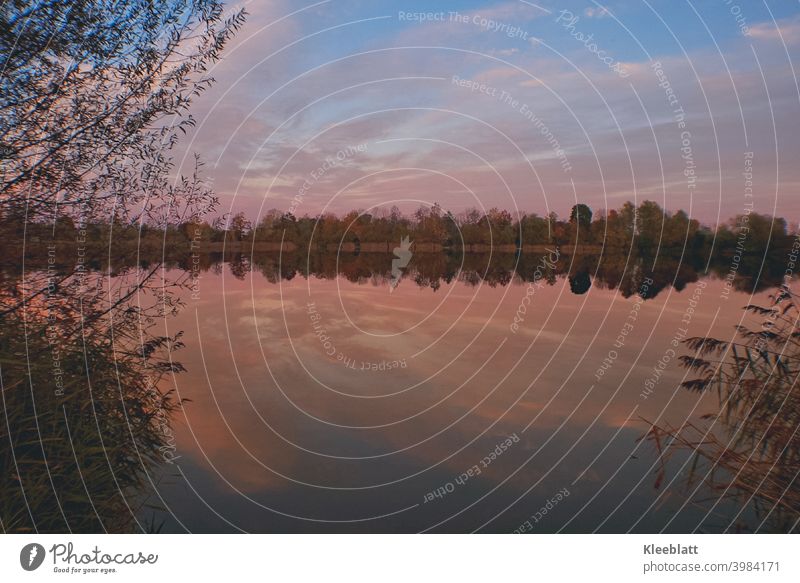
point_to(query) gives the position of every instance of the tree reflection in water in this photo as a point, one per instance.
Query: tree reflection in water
(88, 423)
(609, 270)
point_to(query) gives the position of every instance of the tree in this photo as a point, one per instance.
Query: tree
(650, 224)
(452, 232)
(581, 215)
(474, 227)
(617, 230)
(559, 230)
(580, 223)
(503, 232)
(534, 230)
(93, 95)
(431, 225)
(679, 230)
(196, 232)
(763, 231)
(267, 227)
(239, 228)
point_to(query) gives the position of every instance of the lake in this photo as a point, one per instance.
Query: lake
(348, 399)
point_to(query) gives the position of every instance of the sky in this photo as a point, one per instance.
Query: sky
(338, 105)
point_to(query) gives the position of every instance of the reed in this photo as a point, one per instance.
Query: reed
(83, 421)
(749, 451)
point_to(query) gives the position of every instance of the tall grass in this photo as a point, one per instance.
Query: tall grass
(81, 417)
(749, 451)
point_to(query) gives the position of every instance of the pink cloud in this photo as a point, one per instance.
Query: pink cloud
(786, 30)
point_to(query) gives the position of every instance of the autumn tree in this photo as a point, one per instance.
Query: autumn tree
(502, 226)
(651, 219)
(535, 230)
(239, 228)
(680, 230)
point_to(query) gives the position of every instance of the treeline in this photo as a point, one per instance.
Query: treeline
(647, 228)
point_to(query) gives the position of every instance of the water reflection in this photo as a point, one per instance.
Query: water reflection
(299, 420)
(432, 270)
(316, 400)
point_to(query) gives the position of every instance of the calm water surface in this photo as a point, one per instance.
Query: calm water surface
(329, 405)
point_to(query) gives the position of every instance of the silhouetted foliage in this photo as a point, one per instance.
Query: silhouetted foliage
(749, 452)
(93, 97)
